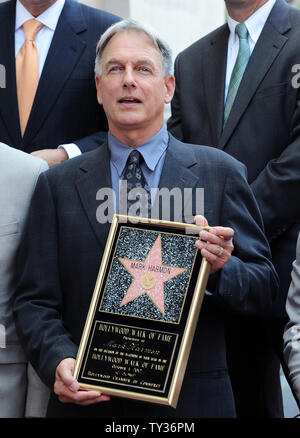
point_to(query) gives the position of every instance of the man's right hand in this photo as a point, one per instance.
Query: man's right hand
(67, 388)
(216, 246)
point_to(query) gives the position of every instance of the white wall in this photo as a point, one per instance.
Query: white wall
(118, 7)
(180, 22)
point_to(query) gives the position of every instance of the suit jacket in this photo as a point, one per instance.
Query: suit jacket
(62, 249)
(262, 130)
(18, 175)
(291, 333)
(65, 107)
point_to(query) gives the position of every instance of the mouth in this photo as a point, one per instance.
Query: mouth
(129, 100)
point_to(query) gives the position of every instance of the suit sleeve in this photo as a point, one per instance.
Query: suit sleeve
(248, 283)
(38, 303)
(276, 188)
(292, 329)
(92, 141)
(174, 122)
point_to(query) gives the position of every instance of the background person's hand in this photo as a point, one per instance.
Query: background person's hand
(52, 156)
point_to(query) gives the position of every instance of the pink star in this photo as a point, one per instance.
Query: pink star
(149, 276)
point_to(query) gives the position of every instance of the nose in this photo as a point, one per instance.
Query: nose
(128, 79)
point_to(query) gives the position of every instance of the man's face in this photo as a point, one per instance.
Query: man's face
(131, 87)
(255, 4)
(37, 5)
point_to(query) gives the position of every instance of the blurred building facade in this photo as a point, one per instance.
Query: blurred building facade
(180, 22)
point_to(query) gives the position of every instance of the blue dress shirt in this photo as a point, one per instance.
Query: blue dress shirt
(153, 152)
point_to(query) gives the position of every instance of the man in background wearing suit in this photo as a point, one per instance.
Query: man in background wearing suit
(243, 98)
(134, 81)
(64, 108)
(18, 175)
(292, 329)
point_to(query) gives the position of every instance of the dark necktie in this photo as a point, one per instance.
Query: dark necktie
(137, 183)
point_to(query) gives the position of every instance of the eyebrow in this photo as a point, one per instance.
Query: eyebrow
(138, 61)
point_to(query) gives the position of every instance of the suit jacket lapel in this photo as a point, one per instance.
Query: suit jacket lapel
(176, 173)
(264, 54)
(64, 53)
(8, 100)
(214, 68)
(95, 174)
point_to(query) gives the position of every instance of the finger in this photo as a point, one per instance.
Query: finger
(61, 389)
(100, 399)
(225, 232)
(211, 236)
(65, 374)
(200, 220)
(215, 262)
(75, 396)
(211, 258)
(84, 398)
(216, 250)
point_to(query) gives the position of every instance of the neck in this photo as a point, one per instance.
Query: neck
(134, 137)
(241, 10)
(37, 7)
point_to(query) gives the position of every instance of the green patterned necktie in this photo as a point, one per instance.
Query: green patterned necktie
(239, 67)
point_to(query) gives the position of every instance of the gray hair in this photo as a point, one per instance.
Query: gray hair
(131, 25)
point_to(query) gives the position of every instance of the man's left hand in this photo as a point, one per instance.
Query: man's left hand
(217, 246)
(52, 156)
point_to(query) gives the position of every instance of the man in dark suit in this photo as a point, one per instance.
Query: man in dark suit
(64, 242)
(262, 131)
(64, 109)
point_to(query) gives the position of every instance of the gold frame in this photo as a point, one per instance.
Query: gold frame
(190, 325)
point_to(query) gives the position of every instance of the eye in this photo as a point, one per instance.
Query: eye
(144, 69)
(114, 68)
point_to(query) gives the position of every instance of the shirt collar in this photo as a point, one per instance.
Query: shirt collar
(254, 23)
(49, 18)
(151, 150)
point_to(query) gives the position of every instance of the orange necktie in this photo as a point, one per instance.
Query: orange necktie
(27, 71)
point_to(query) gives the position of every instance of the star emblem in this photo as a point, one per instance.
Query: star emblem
(149, 276)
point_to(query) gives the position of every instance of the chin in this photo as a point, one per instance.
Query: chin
(130, 122)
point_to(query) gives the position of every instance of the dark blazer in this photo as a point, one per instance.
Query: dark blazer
(65, 108)
(262, 130)
(62, 248)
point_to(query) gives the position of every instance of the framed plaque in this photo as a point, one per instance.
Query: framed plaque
(144, 311)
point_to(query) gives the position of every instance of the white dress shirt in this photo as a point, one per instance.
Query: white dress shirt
(254, 24)
(43, 40)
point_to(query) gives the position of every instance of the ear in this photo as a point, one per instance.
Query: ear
(169, 88)
(98, 87)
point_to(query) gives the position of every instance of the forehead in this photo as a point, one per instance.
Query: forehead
(131, 45)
